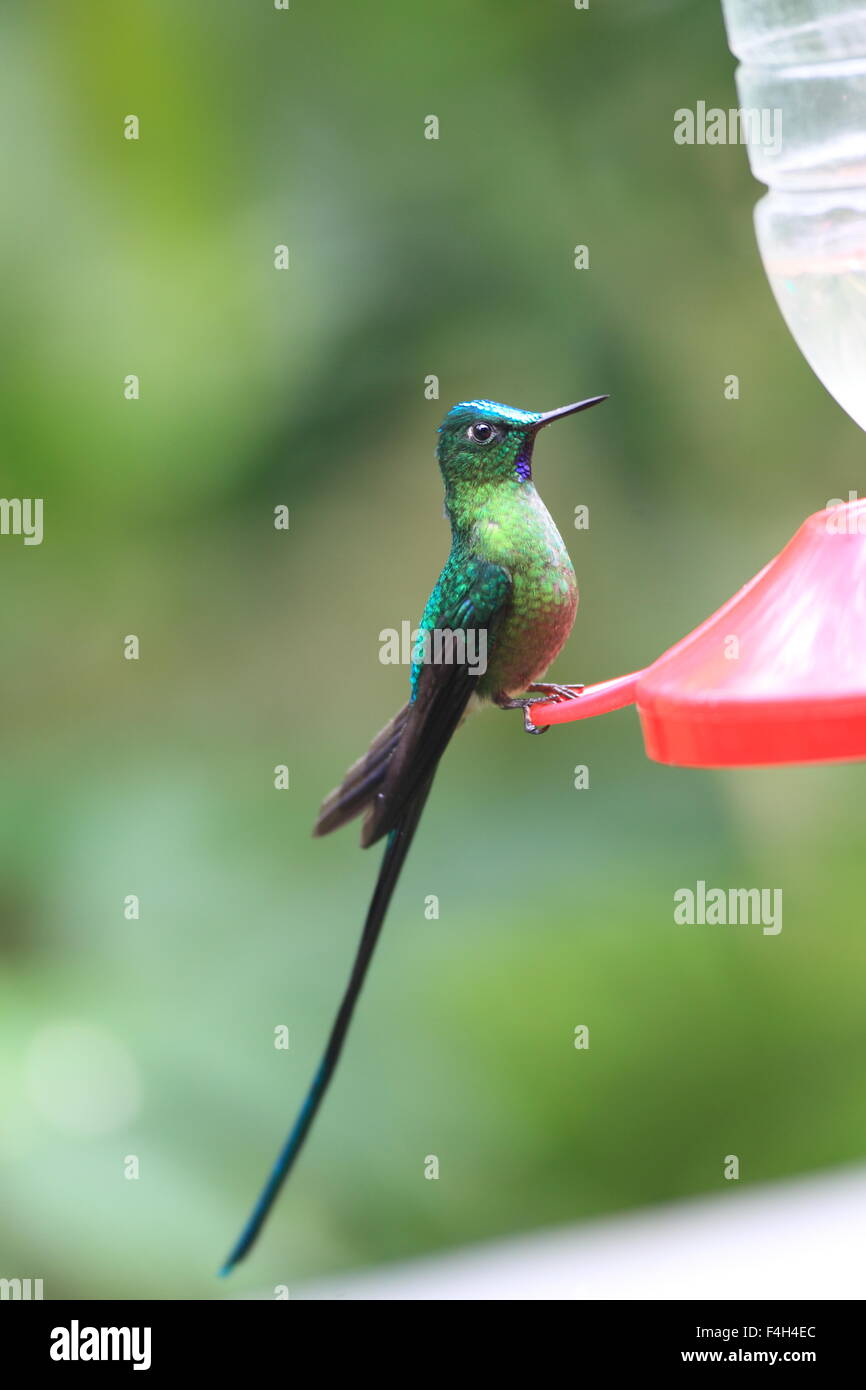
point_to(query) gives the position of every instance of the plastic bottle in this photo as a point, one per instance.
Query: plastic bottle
(803, 66)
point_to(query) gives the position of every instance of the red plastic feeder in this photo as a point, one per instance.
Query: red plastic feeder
(777, 675)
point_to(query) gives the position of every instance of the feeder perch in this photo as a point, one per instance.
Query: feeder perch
(776, 675)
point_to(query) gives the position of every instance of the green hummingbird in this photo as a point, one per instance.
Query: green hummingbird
(498, 616)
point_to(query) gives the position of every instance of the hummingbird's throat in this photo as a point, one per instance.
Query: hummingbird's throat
(523, 462)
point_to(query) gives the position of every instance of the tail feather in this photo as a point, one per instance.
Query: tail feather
(396, 849)
(363, 779)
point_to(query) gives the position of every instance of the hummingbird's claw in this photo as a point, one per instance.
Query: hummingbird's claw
(506, 702)
(559, 692)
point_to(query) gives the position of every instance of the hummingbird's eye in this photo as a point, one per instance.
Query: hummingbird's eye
(481, 432)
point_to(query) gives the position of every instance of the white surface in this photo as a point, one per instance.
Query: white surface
(801, 1239)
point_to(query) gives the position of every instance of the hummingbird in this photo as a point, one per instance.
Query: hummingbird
(509, 584)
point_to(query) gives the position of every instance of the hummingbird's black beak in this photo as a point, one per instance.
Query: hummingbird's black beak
(570, 410)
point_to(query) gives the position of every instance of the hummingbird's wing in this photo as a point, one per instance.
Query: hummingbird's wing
(475, 601)
(383, 779)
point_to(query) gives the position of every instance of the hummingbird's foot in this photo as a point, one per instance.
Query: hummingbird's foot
(505, 702)
(561, 692)
(527, 722)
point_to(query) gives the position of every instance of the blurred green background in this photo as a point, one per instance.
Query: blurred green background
(409, 257)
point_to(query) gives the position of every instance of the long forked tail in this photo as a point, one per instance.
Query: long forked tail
(397, 847)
